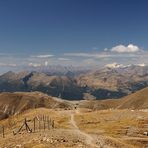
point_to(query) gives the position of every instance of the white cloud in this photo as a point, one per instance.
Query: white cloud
(121, 54)
(102, 55)
(105, 49)
(63, 59)
(7, 65)
(34, 64)
(89, 61)
(46, 63)
(126, 49)
(88, 55)
(43, 56)
(129, 54)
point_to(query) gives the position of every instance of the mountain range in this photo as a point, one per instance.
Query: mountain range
(108, 82)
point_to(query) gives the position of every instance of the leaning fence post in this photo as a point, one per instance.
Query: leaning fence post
(3, 130)
(25, 122)
(27, 127)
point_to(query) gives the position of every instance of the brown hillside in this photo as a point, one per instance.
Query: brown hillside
(14, 103)
(138, 100)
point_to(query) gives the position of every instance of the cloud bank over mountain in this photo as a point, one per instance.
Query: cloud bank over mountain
(122, 54)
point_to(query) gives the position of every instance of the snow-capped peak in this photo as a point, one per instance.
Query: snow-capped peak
(142, 65)
(114, 65)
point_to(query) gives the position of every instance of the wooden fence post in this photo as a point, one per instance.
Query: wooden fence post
(48, 124)
(44, 119)
(3, 130)
(39, 125)
(52, 123)
(27, 127)
(34, 123)
(25, 120)
(44, 125)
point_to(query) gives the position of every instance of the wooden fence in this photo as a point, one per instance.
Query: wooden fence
(37, 124)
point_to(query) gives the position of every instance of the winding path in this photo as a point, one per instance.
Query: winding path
(89, 138)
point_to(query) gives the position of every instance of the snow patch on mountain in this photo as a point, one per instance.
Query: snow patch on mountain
(114, 65)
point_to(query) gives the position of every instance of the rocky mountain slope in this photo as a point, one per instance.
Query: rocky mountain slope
(58, 86)
(115, 82)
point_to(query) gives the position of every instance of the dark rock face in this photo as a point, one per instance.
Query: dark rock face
(58, 86)
(107, 94)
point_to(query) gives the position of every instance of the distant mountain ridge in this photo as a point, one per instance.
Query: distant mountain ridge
(123, 80)
(102, 84)
(58, 86)
(58, 70)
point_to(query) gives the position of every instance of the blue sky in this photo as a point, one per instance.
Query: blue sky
(64, 28)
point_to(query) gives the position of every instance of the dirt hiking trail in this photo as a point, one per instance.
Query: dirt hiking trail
(89, 139)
